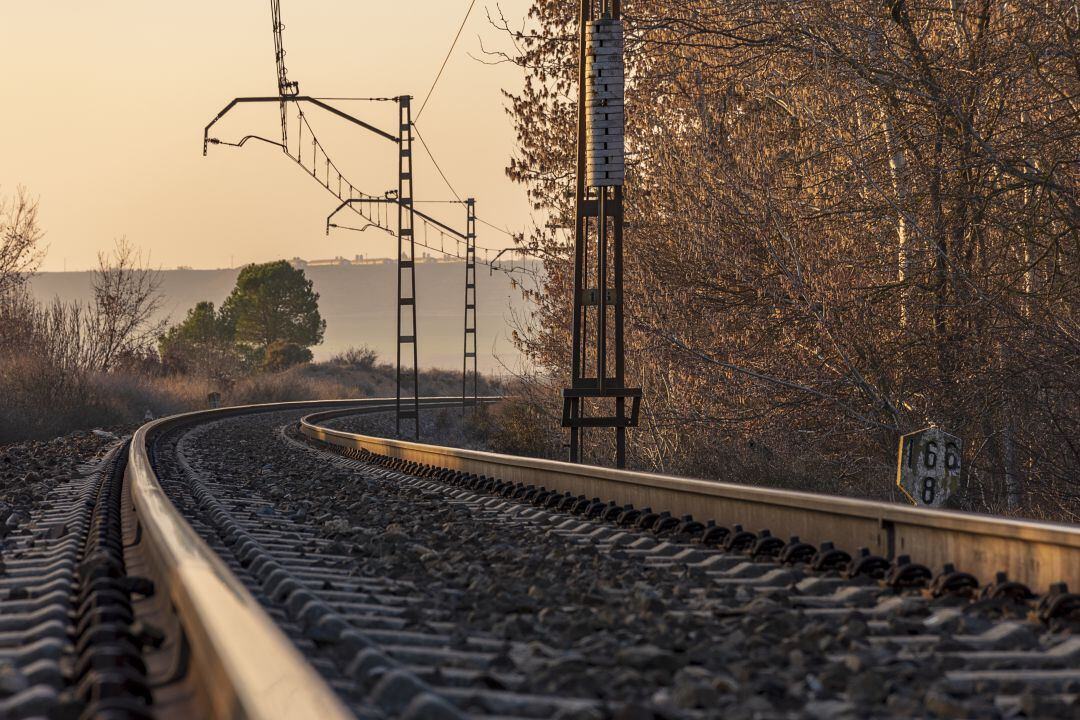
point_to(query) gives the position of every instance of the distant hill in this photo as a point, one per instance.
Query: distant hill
(357, 302)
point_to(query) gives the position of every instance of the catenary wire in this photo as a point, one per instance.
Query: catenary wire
(442, 67)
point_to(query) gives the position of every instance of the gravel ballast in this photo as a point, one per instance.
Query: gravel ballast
(29, 471)
(477, 605)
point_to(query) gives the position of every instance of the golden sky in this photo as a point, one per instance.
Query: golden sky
(105, 102)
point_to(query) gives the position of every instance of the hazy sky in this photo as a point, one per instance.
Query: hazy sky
(105, 102)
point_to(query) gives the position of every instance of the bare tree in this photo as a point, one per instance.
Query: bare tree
(19, 238)
(846, 221)
(126, 298)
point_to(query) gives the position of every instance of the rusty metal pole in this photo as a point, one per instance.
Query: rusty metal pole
(599, 195)
(572, 405)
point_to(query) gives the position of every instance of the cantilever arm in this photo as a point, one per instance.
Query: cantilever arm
(330, 217)
(348, 203)
(346, 116)
(299, 98)
(367, 225)
(243, 140)
(491, 264)
(394, 201)
(345, 204)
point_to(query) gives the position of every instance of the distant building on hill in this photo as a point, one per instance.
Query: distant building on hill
(301, 264)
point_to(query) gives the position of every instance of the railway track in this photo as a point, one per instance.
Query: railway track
(260, 562)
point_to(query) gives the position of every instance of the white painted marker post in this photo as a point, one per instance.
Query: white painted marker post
(928, 467)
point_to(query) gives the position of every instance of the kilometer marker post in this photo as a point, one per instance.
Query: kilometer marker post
(928, 467)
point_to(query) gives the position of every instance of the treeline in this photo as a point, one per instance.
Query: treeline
(54, 356)
(110, 362)
(847, 221)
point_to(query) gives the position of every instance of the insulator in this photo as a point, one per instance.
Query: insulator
(604, 92)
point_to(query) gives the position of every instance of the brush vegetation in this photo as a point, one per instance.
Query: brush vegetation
(108, 362)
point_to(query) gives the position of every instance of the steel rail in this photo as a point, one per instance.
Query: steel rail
(240, 664)
(1034, 553)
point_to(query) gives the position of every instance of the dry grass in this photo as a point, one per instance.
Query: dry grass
(518, 426)
(38, 403)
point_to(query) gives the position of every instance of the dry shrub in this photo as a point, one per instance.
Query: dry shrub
(287, 386)
(363, 358)
(38, 400)
(336, 379)
(121, 398)
(50, 383)
(522, 424)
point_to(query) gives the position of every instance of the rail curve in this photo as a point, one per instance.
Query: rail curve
(1037, 554)
(196, 594)
(241, 664)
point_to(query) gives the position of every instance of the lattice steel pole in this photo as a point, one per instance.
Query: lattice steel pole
(406, 276)
(470, 308)
(598, 288)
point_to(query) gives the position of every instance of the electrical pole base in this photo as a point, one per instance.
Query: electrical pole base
(575, 419)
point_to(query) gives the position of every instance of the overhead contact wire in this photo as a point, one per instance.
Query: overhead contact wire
(445, 60)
